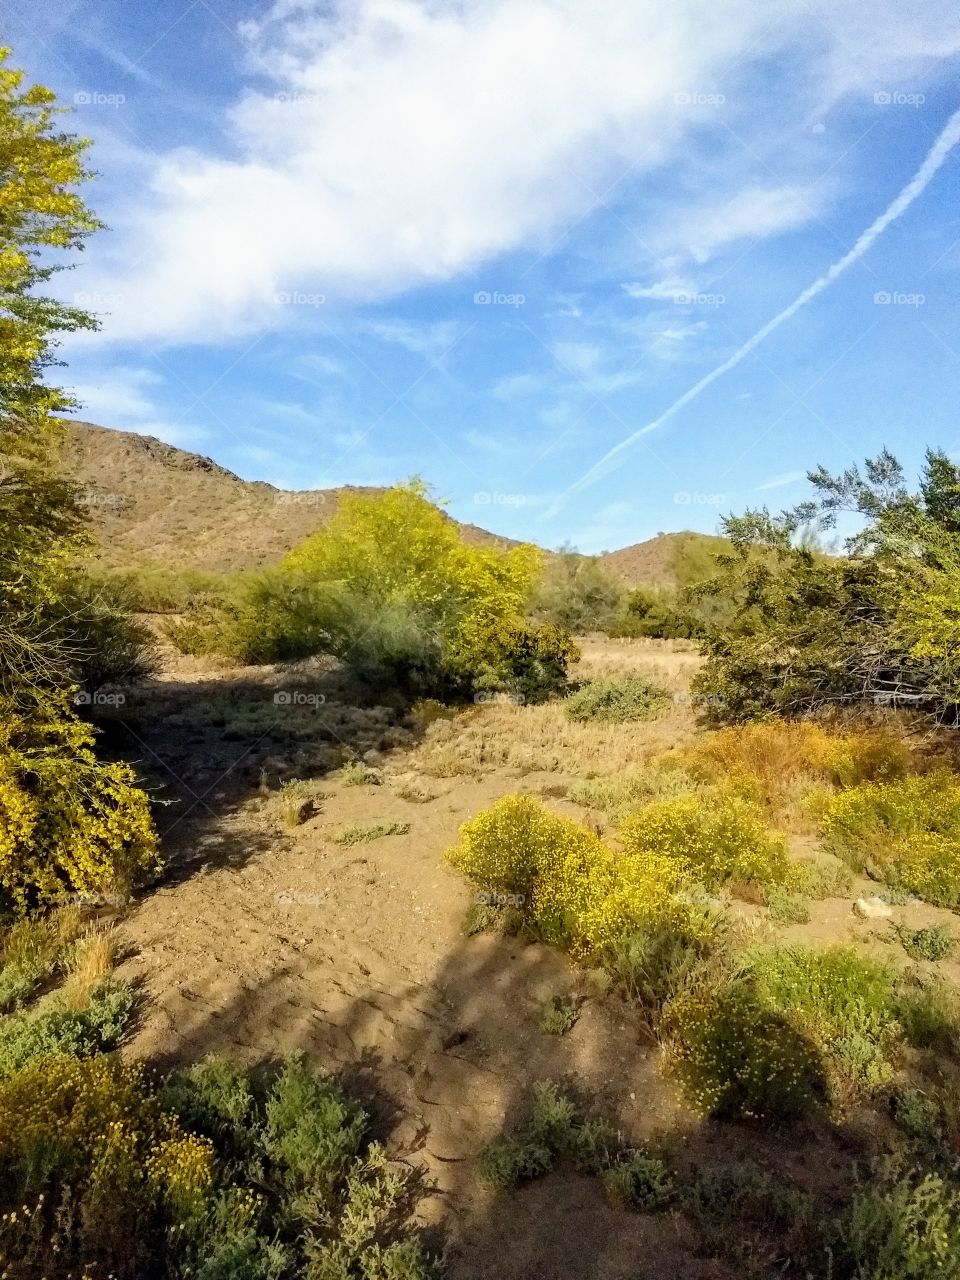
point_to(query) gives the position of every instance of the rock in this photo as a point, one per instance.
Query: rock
(872, 909)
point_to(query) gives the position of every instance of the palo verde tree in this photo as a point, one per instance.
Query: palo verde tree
(878, 624)
(67, 821)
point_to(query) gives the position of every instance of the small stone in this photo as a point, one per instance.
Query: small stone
(872, 909)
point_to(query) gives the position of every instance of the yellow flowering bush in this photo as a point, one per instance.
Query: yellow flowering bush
(768, 758)
(714, 839)
(573, 888)
(906, 830)
(68, 822)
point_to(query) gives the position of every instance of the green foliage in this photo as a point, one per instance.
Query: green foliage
(390, 587)
(876, 626)
(901, 1226)
(54, 1028)
(558, 1016)
(917, 1115)
(658, 614)
(659, 962)
(220, 1173)
(639, 1181)
(758, 1222)
(618, 701)
(786, 906)
(618, 794)
(634, 1179)
(357, 774)
(575, 594)
(363, 832)
(932, 942)
(907, 832)
(735, 1056)
(928, 1010)
(841, 1000)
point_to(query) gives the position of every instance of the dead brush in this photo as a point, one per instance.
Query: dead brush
(91, 957)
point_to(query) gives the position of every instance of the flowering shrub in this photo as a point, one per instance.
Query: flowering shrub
(68, 822)
(734, 1057)
(772, 755)
(907, 830)
(715, 840)
(99, 1176)
(574, 889)
(841, 999)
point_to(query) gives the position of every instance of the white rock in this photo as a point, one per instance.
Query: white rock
(872, 909)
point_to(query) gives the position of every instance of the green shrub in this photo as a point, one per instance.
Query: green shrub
(663, 960)
(932, 942)
(928, 1010)
(619, 794)
(907, 831)
(736, 1057)
(357, 774)
(362, 832)
(902, 1226)
(917, 1115)
(558, 1016)
(617, 701)
(53, 1028)
(548, 1132)
(723, 838)
(819, 878)
(220, 1174)
(841, 1000)
(786, 906)
(639, 1181)
(757, 1221)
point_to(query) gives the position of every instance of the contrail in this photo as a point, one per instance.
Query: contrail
(937, 154)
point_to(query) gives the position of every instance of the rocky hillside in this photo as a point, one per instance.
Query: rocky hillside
(151, 502)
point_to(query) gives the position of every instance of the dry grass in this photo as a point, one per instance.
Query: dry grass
(88, 962)
(534, 739)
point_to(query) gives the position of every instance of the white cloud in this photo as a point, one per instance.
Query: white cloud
(400, 143)
(749, 215)
(661, 291)
(517, 385)
(780, 481)
(122, 398)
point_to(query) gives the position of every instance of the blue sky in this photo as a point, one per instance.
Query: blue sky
(495, 242)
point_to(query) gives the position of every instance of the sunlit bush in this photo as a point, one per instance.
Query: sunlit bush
(68, 823)
(617, 701)
(907, 831)
(718, 838)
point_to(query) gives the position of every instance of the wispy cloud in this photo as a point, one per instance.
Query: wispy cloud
(934, 160)
(780, 482)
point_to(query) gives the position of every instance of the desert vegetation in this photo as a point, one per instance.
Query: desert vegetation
(346, 900)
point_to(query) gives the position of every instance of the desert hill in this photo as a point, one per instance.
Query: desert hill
(151, 502)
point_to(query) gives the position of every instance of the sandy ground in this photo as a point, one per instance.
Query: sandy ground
(264, 939)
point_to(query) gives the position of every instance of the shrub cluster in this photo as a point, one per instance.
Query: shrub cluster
(617, 701)
(216, 1173)
(905, 831)
(68, 822)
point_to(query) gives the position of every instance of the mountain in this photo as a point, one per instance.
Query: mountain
(152, 503)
